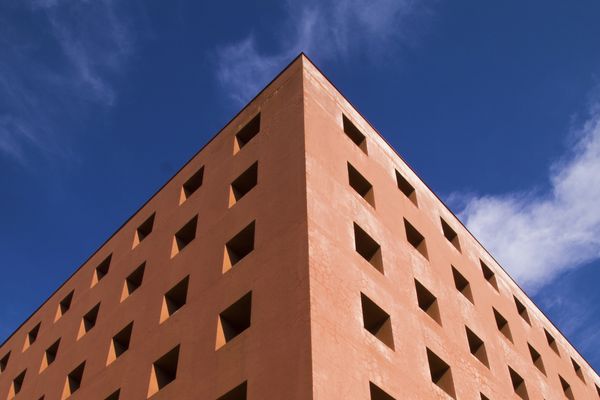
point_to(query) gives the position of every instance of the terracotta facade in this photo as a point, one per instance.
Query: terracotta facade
(296, 256)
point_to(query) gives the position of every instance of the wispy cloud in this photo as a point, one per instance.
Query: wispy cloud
(537, 235)
(325, 30)
(57, 59)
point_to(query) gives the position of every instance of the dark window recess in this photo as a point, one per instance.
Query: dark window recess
(120, 343)
(32, 336)
(502, 325)
(428, 302)
(101, 270)
(114, 395)
(355, 134)
(377, 393)
(4, 362)
(133, 281)
(536, 358)
(247, 133)
(237, 393)
(89, 321)
(477, 347)
(368, 248)
(17, 384)
(415, 239)
(174, 299)
(50, 355)
(361, 185)
(566, 388)
(376, 321)
(238, 247)
(518, 384)
(462, 284)
(441, 374)
(243, 184)
(164, 371)
(406, 188)
(483, 396)
(551, 342)
(489, 275)
(184, 236)
(64, 305)
(450, 234)
(143, 230)
(192, 185)
(234, 320)
(522, 310)
(578, 370)
(74, 380)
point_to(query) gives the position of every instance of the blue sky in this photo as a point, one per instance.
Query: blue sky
(495, 105)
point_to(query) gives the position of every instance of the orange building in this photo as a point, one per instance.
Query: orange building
(296, 256)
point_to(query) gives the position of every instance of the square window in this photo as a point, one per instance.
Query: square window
(120, 343)
(502, 325)
(415, 239)
(551, 342)
(101, 270)
(376, 321)
(428, 302)
(483, 397)
(32, 336)
(243, 184)
(4, 362)
(518, 384)
(406, 188)
(462, 284)
(238, 247)
(361, 185)
(234, 320)
(377, 393)
(578, 370)
(566, 388)
(536, 358)
(174, 299)
(191, 185)
(64, 305)
(450, 234)
(355, 134)
(440, 373)
(50, 355)
(164, 371)
(477, 347)
(368, 248)
(522, 310)
(246, 134)
(237, 393)
(17, 385)
(114, 395)
(74, 380)
(88, 321)
(184, 236)
(133, 281)
(489, 275)
(143, 230)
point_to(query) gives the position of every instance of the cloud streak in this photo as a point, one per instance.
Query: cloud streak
(323, 29)
(537, 235)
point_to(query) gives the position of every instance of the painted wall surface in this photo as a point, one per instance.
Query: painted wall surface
(306, 338)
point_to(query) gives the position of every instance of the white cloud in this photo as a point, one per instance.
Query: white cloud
(537, 235)
(324, 30)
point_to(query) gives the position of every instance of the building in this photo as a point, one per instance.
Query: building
(296, 256)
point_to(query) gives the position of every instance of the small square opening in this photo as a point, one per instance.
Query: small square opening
(489, 275)
(74, 380)
(114, 395)
(462, 284)
(234, 320)
(191, 185)
(406, 188)
(120, 343)
(355, 134)
(440, 373)
(502, 325)
(143, 230)
(566, 388)
(483, 396)
(4, 362)
(237, 393)
(243, 184)
(536, 358)
(174, 299)
(477, 347)
(184, 236)
(518, 384)
(246, 134)
(133, 281)
(415, 239)
(64, 305)
(368, 248)
(578, 370)
(522, 310)
(551, 342)
(377, 393)
(164, 371)
(450, 234)
(597, 390)
(101, 270)
(376, 321)
(361, 185)
(89, 321)
(50, 355)
(17, 385)
(238, 247)
(32, 336)
(428, 302)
